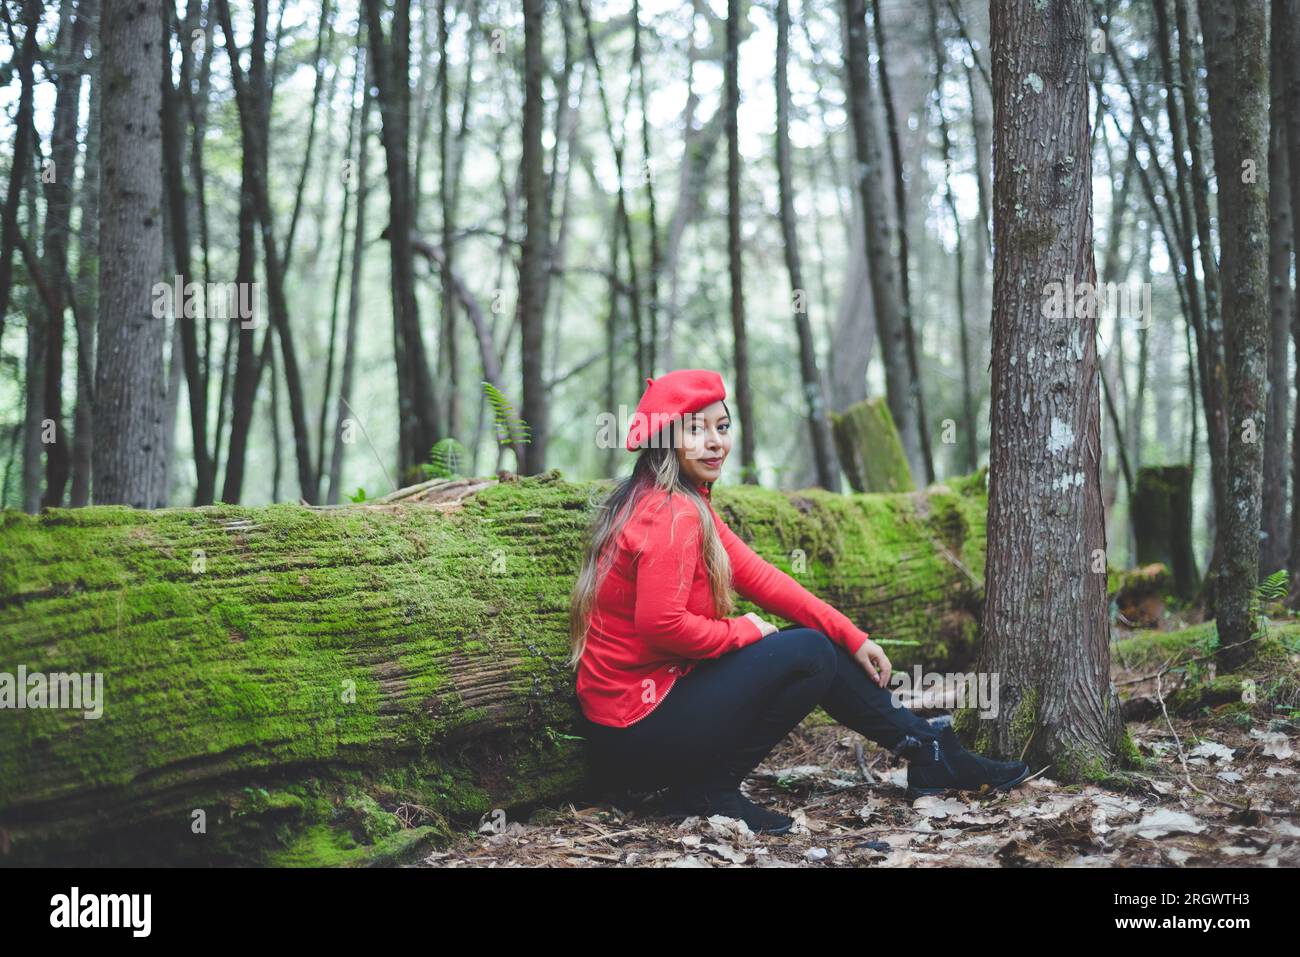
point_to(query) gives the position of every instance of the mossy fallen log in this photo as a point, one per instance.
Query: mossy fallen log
(284, 684)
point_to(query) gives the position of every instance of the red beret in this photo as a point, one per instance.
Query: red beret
(668, 398)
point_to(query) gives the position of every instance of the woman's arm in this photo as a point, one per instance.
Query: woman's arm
(664, 573)
(773, 590)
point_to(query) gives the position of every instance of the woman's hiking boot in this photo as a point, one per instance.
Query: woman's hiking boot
(944, 764)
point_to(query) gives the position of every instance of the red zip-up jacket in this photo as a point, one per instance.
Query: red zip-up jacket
(654, 617)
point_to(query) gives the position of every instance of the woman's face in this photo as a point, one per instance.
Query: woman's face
(705, 442)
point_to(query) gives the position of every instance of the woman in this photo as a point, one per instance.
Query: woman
(675, 693)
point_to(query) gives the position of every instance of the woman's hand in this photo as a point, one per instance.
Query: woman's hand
(766, 627)
(874, 661)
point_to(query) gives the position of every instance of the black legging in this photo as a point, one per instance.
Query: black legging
(717, 723)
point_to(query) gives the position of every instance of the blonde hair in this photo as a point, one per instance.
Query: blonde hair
(656, 468)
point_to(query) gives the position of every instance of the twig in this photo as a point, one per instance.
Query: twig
(1187, 775)
(1170, 662)
(371, 444)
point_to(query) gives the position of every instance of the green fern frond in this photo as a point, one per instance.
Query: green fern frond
(445, 459)
(510, 428)
(1275, 586)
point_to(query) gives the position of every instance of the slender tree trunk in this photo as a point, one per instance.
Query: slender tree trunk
(354, 293)
(904, 270)
(967, 386)
(819, 431)
(129, 386)
(532, 260)
(1291, 95)
(735, 258)
(1046, 624)
(417, 410)
(1275, 530)
(87, 283)
(254, 105)
(70, 54)
(24, 60)
(185, 309)
(870, 182)
(1236, 53)
(652, 214)
(1210, 351)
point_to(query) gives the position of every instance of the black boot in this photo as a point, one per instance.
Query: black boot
(729, 802)
(944, 764)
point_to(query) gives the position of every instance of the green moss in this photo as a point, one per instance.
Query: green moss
(1025, 719)
(390, 655)
(1151, 649)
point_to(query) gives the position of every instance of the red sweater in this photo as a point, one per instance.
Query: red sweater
(654, 615)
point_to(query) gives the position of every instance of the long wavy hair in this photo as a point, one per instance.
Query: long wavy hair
(655, 468)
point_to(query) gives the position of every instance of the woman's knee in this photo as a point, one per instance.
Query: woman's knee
(809, 651)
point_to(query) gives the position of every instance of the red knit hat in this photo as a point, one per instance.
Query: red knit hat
(668, 398)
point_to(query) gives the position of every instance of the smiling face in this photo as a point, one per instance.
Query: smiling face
(705, 443)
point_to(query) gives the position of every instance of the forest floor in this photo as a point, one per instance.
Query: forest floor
(1209, 770)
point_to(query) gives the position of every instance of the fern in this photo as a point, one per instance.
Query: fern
(1274, 587)
(511, 429)
(445, 459)
(360, 496)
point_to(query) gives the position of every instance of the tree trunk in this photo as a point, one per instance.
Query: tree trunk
(1291, 80)
(1236, 53)
(185, 309)
(87, 283)
(69, 56)
(869, 179)
(289, 672)
(354, 296)
(24, 60)
(1046, 624)
(819, 431)
(248, 362)
(735, 254)
(904, 270)
(129, 388)
(1274, 543)
(418, 416)
(969, 426)
(533, 257)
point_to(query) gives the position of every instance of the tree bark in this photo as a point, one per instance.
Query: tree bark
(417, 412)
(1236, 53)
(735, 254)
(869, 179)
(1275, 529)
(87, 282)
(24, 60)
(185, 310)
(1046, 623)
(128, 455)
(819, 432)
(533, 257)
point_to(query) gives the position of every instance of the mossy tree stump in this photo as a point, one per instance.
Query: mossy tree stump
(870, 450)
(1162, 523)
